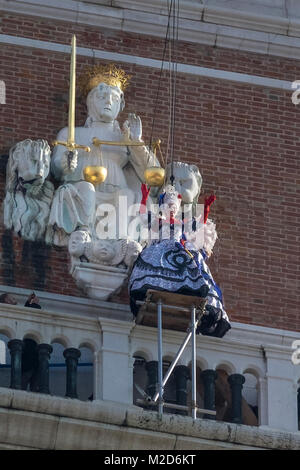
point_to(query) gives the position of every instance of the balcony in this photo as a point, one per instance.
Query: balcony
(116, 354)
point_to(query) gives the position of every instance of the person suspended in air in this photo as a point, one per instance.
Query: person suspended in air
(174, 258)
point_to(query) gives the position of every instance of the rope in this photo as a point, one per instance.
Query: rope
(161, 70)
(174, 77)
(172, 39)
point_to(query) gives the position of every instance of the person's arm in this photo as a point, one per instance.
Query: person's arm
(207, 203)
(32, 301)
(145, 194)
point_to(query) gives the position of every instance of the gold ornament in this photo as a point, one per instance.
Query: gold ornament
(109, 74)
(154, 176)
(95, 174)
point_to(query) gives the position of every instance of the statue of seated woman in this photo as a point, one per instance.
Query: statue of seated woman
(79, 204)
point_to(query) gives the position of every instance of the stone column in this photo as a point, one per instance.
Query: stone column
(44, 352)
(115, 379)
(71, 355)
(97, 388)
(236, 384)
(262, 401)
(181, 374)
(281, 389)
(15, 348)
(209, 377)
(152, 372)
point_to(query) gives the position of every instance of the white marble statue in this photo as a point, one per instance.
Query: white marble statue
(187, 181)
(77, 203)
(76, 213)
(103, 252)
(28, 196)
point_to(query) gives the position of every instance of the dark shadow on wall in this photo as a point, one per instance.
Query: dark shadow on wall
(34, 263)
(8, 258)
(8, 255)
(35, 256)
(3, 163)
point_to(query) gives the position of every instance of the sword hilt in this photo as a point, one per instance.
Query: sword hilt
(71, 145)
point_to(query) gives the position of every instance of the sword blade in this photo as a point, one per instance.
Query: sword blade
(72, 92)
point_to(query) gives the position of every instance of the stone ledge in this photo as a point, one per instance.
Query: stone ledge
(57, 307)
(270, 31)
(218, 431)
(60, 304)
(59, 423)
(106, 412)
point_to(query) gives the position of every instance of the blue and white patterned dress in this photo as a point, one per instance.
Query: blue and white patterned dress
(165, 265)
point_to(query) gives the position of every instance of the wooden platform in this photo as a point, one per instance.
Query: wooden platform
(176, 309)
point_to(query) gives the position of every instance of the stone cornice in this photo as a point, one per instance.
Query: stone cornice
(69, 305)
(44, 317)
(266, 30)
(243, 337)
(50, 417)
(213, 73)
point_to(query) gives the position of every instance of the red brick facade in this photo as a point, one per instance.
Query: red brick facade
(245, 140)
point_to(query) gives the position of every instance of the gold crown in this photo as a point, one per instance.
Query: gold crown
(109, 74)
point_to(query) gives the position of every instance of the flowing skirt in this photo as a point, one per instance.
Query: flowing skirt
(166, 266)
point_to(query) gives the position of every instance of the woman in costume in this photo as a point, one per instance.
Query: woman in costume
(174, 259)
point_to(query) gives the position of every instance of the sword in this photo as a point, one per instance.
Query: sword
(71, 144)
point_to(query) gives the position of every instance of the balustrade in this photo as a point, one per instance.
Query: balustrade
(247, 350)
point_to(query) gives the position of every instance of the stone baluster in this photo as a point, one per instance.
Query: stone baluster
(236, 384)
(44, 352)
(209, 377)
(71, 355)
(15, 347)
(181, 374)
(152, 371)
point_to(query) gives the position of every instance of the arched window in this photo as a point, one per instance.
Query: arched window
(250, 394)
(140, 378)
(170, 387)
(57, 370)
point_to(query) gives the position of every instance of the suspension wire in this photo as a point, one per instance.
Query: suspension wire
(174, 73)
(161, 70)
(176, 43)
(170, 104)
(172, 97)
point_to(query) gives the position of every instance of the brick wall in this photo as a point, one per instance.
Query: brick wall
(244, 139)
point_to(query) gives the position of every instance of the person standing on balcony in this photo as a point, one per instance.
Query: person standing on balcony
(32, 300)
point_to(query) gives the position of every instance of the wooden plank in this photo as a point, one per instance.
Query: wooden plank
(176, 309)
(171, 298)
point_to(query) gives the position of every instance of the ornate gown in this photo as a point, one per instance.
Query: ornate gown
(165, 265)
